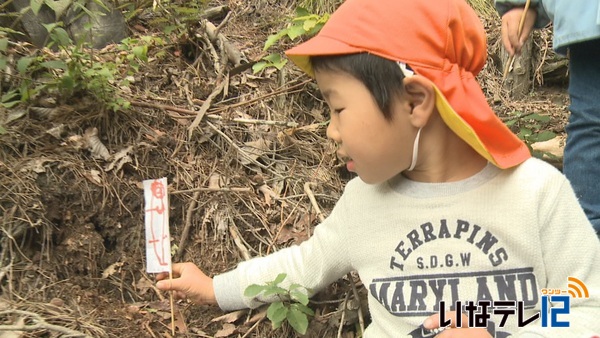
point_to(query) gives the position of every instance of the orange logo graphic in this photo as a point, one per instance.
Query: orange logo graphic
(577, 288)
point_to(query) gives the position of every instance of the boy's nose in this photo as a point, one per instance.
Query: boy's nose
(332, 130)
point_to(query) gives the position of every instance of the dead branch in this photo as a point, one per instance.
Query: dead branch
(233, 54)
(204, 108)
(313, 201)
(344, 304)
(263, 97)
(188, 224)
(241, 151)
(213, 116)
(38, 323)
(215, 12)
(238, 242)
(252, 121)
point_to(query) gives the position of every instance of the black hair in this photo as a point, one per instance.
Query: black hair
(382, 77)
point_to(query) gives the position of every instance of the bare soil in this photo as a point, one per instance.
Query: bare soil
(72, 239)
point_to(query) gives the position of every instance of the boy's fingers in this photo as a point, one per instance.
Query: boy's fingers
(162, 276)
(170, 285)
(505, 39)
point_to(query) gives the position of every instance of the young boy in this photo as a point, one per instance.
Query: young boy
(448, 205)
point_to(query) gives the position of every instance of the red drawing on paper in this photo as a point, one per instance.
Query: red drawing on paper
(158, 216)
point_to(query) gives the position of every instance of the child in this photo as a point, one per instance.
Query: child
(448, 205)
(576, 29)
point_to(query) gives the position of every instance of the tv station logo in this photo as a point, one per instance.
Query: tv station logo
(555, 305)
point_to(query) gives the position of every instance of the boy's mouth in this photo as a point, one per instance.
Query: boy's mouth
(350, 166)
(348, 160)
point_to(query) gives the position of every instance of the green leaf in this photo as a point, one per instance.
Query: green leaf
(56, 64)
(67, 82)
(301, 11)
(280, 64)
(102, 5)
(273, 58)
(10, 104)
(544, 136)
(298, 320)
(315, 29)
(50, 26)
(24, 63)
(62, 36)
(303, 308)
(10, 31)
(3, 45)
(257, 67)
(274, 290)
(538, 117)
(296, 31)
(2, 130)
(299, 295)
(36, 5)
(274, 38)
(510, 123)
(253, 290)
(2, 63)
(525, 132)
(280, 277)
(309, 24)
(277, 312)
(24, 92)
(58, 6)
(141, 52)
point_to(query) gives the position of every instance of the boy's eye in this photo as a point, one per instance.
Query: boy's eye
(337, 111)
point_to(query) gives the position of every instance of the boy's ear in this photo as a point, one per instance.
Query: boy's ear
(420, 97)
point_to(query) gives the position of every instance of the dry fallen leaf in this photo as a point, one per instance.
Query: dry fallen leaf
(120, 158)
(230, 317)
(14, 334)
(180, 322)
(144, 285)
(254, 150)
(111, 270)
(226, 331)
(214, 182)
(96, 147)
(268, 193)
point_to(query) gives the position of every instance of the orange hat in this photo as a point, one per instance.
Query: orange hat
(442, 40)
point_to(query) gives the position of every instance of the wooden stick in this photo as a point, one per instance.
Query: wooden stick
(172, 304)
(511, 59)
(234, 189)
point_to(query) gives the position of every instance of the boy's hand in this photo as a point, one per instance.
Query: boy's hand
(432, 322)
(188, 282)
(513, 42)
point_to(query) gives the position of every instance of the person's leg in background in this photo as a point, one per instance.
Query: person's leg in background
(582, 150)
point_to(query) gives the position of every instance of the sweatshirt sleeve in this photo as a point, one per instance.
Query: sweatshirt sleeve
(570, 248)
(314, 264)
(542, 20)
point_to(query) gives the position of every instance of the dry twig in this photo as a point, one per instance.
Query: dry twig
(235, 234)
(38, 323)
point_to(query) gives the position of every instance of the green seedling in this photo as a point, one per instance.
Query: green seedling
(290, 306)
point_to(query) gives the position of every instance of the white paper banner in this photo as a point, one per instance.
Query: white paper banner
(158, 240)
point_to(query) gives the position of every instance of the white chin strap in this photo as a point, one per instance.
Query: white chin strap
(415, 153)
